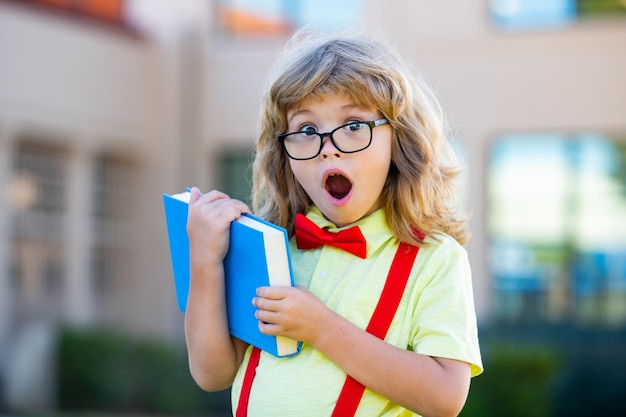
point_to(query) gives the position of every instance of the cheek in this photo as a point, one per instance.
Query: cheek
(382, 158)
(294, 168)
(379, 173)
(378, 170)
(301, 173)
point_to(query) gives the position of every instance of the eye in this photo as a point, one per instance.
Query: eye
(308, 129)
(355, 125)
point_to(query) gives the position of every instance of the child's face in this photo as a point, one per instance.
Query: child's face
(344, 186)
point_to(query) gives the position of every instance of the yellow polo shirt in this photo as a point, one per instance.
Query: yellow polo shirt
(435, 317)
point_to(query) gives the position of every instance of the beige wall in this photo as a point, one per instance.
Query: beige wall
(489, 82)
(175, 103)
(93, 90)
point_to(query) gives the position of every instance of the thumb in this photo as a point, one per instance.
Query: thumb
(195, 195)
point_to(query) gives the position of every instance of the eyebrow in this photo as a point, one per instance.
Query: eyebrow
(296, 113)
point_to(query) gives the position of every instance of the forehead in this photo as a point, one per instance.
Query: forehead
(339, 100)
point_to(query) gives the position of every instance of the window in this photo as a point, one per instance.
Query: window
(533, 14)
(557, 228)
(113, 187)
(234, 176)
(38, 196)
(254, 18)
(114, 183)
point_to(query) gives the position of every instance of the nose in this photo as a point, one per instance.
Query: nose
(328, 146)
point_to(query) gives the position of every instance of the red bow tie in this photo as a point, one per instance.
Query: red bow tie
(310, 236)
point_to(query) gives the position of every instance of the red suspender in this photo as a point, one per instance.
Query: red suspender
(388, 303)
(385, 310)
(242, 407)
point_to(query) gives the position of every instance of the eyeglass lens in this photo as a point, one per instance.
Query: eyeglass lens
(349, 138)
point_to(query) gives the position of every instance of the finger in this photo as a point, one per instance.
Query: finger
(197, 200)
(214, 195)
(273, 293)
(269, 322)
(230, 210)
(267, 317)
(268, 328)
(217, 205)
(219, 199)
(265, 304)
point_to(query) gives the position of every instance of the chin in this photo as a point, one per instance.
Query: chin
(345, 214)
(345, 219)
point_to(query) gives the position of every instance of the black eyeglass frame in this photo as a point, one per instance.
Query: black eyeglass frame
(371, 124)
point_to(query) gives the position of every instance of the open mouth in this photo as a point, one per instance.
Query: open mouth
(338, 186)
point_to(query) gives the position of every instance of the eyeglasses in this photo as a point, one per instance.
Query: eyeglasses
(352, 137)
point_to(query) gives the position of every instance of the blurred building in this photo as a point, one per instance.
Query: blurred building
(105, 105)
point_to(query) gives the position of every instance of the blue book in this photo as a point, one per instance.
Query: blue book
(258, 256)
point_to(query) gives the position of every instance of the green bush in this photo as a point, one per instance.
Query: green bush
(516, 383)
(595, 381)
(107, 371)
(535, 372)
(556, 371)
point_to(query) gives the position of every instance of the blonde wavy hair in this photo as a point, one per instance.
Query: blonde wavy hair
(419, 185)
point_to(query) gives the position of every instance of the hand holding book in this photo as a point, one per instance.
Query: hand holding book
(258, 255)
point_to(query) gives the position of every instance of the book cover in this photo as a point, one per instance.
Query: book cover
(258, 256)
